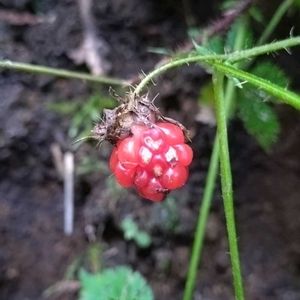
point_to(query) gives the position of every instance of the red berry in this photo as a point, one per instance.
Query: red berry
(142, 178)
(184, 153)
(124, 175)
(153, 191)
(153, 160)
(173, 133)
(144, 156)
(158, 165)
(128, 150)
(175, 178)
(154, 139)
(171, 156)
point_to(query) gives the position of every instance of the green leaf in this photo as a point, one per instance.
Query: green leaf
(257, 14)
(64, 107)
(132, 232)
(232, 36)
(159, 50)
(89, 285)
(272, 72)
(259, 119)
(194, 32)
(143, 239)
(227, 4)
(214, 45)
(119, 283)
(84, 114)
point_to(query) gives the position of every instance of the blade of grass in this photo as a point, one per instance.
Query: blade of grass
(277, 16)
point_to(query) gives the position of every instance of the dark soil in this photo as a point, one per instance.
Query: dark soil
(35, 254)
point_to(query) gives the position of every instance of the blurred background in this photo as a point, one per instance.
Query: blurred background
(42, 116)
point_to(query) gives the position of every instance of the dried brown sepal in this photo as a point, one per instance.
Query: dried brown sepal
(116, 123)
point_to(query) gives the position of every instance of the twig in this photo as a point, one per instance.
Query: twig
(93, 49)
(16, 18)
(226, 20)
(57, 159)
(62, 287)
(68, 193)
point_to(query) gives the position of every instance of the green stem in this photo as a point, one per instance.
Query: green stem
(210, 184)
(226, 183)
(264, 49)
(277, 16)
(201, 223)
(284, 95)
(232, 58)
(170, 65)
(10, 65)
(214, 160)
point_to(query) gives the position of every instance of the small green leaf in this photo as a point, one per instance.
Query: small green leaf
(259, 119)
(159, 50)
(271, 72)
(64, 107)
(114, 284)
(84, 114)
(214, 45)
(132, 232)
(227, 4)
(89, 285)
(194, 32)
(232, 36)
(143, 240)
(257, 14)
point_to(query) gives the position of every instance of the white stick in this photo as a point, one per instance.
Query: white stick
(68, 193)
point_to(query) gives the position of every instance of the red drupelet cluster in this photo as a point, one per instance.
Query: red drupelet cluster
(153, 160)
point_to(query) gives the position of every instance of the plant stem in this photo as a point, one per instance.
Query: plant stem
(210, 182)
(233, 57)
(226, 183)
(170, 65)
(214, 160)
(284, 95)
(201, 223)
(30, 68)
(277, 16)
(264, 49)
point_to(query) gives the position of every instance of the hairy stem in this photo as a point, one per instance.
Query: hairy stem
(226, 184)
(210, 183)
(232, 58)
(30, 68)
(282, 94)
(259, 50)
